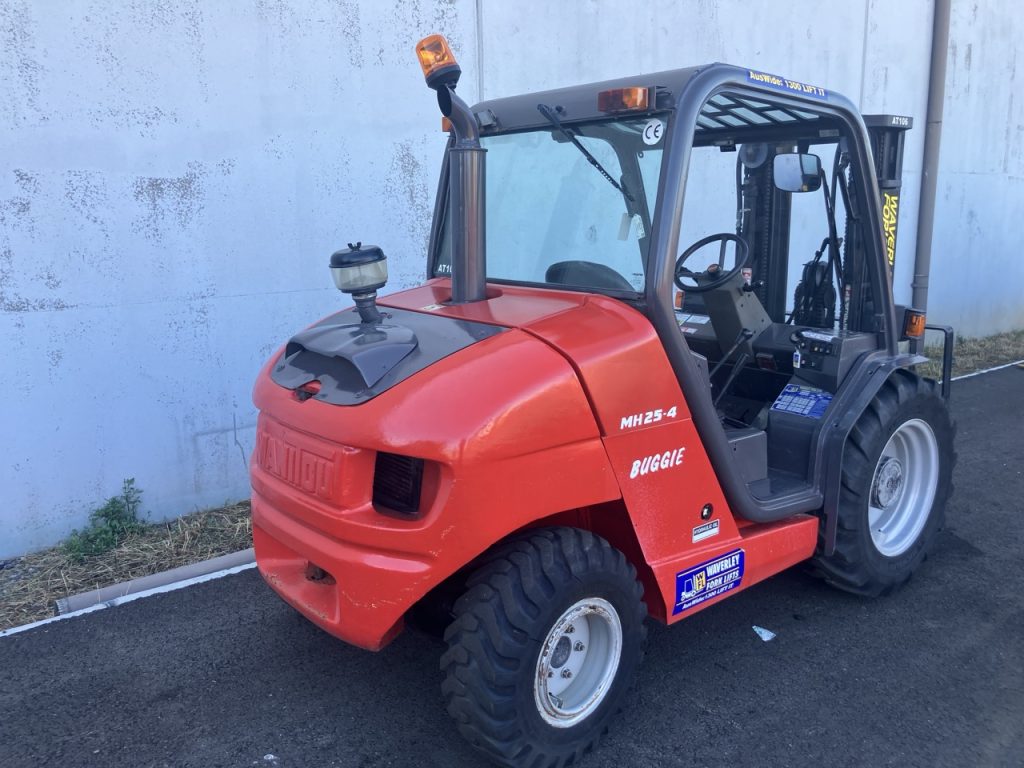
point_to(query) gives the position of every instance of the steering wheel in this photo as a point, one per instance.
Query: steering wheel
(713, 276)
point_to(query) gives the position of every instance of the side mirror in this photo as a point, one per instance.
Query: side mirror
(797, 173)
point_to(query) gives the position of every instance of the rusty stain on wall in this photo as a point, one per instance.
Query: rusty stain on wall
(11, 300)
(405, 182)
(86, 194)
(350, 28)
(147, 119)
(19, 65)
(178, 199)
(26, 182)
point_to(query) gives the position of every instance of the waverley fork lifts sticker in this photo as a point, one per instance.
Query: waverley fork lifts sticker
(707, 580)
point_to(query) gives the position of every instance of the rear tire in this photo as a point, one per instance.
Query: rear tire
(896, 477)
(552, 602)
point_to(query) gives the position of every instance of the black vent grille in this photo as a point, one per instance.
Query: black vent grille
(396, 483)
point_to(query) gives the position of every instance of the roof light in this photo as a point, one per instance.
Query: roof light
(437, 61)
(631, 99)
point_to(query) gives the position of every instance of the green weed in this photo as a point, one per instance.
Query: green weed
(109, 524)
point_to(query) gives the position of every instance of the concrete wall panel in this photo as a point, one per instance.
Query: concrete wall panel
(174, 175)
(173, 178)
(977, 270)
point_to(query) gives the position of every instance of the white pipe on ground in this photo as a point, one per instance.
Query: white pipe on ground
(184, 573)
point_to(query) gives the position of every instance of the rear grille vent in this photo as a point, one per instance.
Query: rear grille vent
(396, 483)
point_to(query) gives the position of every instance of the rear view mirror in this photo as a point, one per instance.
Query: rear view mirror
(797, 173)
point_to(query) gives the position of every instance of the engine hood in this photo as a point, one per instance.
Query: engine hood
(506, 396)
(524, 364)
(354, 362)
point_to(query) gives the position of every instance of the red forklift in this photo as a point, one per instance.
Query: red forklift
(602, 405)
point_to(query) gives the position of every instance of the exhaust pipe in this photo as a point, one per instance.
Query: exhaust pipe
(466, 169)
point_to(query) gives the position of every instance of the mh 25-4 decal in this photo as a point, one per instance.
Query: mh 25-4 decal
(645, 418)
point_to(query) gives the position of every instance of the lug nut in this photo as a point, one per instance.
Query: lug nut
(579, 646)
(567, 673)
(570, 629)
(550, 673)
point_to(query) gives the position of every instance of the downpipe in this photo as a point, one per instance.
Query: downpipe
(930, 161)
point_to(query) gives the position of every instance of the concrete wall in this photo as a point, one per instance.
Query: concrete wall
(977, 276)
(173, 176)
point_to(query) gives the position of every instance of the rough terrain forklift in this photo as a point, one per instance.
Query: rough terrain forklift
(581, 419)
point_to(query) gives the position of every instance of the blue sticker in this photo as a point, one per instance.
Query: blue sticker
(708, 580)
(782, 84)
(803, 401)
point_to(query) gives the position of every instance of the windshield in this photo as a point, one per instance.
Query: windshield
(553, 216)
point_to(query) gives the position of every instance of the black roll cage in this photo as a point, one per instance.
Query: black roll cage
(694, 88)
(671, 192)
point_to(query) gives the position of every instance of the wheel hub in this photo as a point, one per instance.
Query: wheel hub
(577, 662)
(903, 487)
(562, 650)
(888, 482)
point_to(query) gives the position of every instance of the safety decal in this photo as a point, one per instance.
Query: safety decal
(705, 531)
(699, 319)
(782, 84)
(803, 401)
(707, 580)
(653, 131)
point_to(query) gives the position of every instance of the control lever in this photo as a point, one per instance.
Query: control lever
(740, 362)
(745, 335)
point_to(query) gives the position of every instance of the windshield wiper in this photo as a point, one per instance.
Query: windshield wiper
(552, 118)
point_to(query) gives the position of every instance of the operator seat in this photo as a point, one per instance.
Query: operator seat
(587, 274)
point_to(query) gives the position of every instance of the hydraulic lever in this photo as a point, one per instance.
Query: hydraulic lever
(745, 335)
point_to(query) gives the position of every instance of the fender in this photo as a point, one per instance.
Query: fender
(507, 436)
(833, 437)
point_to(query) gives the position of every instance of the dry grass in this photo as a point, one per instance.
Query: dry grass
(31, 585)
(975, 354)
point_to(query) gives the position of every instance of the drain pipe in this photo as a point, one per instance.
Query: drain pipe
(930, 163)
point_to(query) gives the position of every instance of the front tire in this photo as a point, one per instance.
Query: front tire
(544, 645)
(896, 477)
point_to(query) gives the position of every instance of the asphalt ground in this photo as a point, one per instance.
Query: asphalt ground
(225, 674)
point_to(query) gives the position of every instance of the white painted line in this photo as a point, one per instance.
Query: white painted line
(987, 370)
(129, 598)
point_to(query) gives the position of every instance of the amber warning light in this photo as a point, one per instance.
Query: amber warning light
(634, 99)
(437, 60)
(913, 324)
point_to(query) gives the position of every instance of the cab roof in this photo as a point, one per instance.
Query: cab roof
(723, 116)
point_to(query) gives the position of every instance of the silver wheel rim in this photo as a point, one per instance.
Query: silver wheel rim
(903, 487)
(578, 662)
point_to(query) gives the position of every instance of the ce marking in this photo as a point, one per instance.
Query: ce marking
(653, 131)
